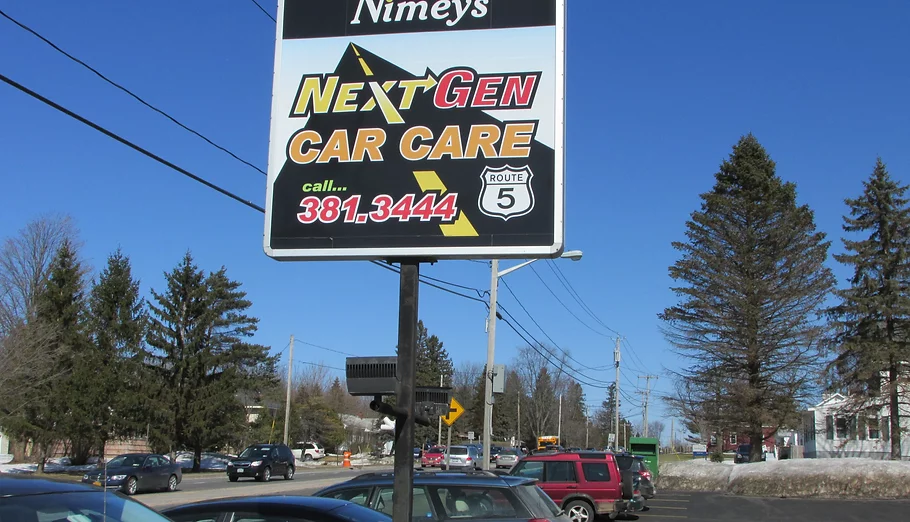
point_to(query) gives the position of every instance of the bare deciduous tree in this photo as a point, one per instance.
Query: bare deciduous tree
(24, 263)
(27, 354)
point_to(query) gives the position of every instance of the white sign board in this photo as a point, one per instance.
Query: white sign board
(417, 128)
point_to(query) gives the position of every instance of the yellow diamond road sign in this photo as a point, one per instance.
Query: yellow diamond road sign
(455, 411)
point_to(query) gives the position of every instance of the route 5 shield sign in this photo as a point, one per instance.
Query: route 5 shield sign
(506, 192)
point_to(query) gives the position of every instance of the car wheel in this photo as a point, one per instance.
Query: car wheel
(232, 478)
(289, 474)
(132, 486)
(267, 474)
(580, 511)
(307, 457)
(172, 483)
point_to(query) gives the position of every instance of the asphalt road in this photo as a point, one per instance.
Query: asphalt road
(672, 507)
(208, 486)
(669, 506)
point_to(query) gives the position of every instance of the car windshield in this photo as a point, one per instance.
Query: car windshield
(624, 462)
(126, 461)
(255, 452)
(436, 449)
(458, 450)
(94, 506)
(506, 453)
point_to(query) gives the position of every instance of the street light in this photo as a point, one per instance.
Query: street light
(495, 274)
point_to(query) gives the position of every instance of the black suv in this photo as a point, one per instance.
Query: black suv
(262, 462)
(448, 495)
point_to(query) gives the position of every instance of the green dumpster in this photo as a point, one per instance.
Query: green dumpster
(649, 448)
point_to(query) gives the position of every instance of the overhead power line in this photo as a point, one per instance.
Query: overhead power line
(561, 277)
(319, 365)
(573, 314)
(129, 92)
(324, 348)
(555, 344)
(258, 208)
(272, 18)
(579, 376)
(128, 143)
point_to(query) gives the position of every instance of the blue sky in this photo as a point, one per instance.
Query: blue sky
(658, 92)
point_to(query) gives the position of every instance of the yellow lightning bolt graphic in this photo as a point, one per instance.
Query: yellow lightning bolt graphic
(462, 227)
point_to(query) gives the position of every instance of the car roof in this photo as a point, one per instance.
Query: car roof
(14, 485)
(429, 478)
(575, 455)
(314, 503)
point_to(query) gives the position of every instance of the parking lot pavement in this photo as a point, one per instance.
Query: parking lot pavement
(672, 506)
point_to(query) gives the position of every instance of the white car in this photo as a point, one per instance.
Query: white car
(313, 451)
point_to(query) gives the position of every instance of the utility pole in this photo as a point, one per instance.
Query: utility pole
(672, 436)
(488, 369)
(559, 424)
(439, 435)
(616, 358)
(287, 400)
(518, 423)
(586, 427)
(647, 395)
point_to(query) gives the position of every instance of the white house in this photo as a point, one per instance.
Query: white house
(833, 428)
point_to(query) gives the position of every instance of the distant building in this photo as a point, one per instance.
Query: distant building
(731, 440)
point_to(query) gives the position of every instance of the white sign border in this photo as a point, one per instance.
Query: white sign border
(438, 252)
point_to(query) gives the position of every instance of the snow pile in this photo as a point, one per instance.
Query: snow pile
(208, 461)
(694, 475)
(819, 478)
(823, 478)
(61, 465)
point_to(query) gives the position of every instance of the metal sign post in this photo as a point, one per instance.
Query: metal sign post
(406, 396)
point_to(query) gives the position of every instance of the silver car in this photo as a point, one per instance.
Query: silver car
(507, 458)
(463, 457)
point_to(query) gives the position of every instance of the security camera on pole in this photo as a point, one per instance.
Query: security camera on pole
(495, 274)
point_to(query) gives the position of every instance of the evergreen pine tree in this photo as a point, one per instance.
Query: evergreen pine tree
(873, 317)
(117, 325)
(198, 330)
(752, 280)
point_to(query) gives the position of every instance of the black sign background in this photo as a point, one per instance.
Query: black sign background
(327, 18)
(394, 176)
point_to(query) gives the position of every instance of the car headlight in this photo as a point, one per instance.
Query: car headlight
(116, 477)
(230, 464)
(256, 463)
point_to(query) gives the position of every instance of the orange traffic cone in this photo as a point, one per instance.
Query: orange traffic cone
(347, 460)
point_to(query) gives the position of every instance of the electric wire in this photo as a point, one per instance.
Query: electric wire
(320, 365)
(312, 345)
(573, 314)
(252, 205)
(272, 18)
(561, 277)
(555, 344)
(127, 91)
(128, 143)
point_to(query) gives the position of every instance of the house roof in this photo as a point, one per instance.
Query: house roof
(830, 399)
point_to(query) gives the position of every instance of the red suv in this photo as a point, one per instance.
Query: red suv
(583, 483)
